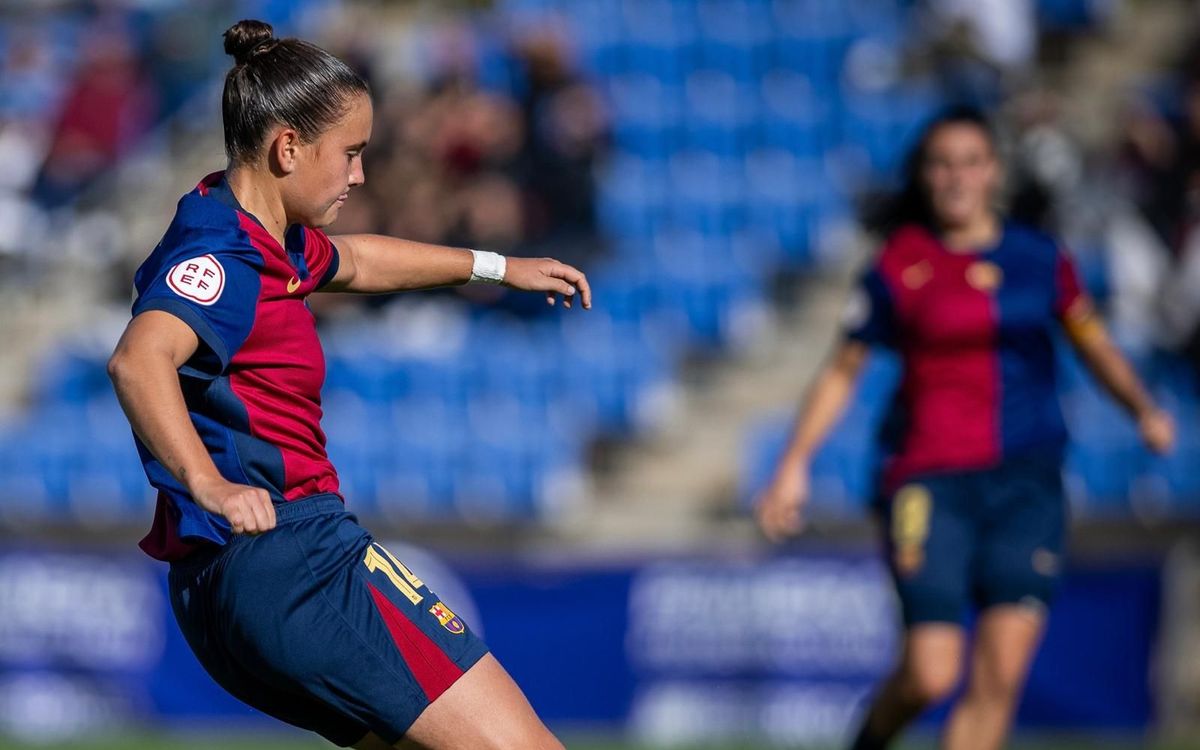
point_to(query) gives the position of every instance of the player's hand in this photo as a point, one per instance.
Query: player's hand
(249, 510)
(549, 276)
(780, 508)
(1157, 430)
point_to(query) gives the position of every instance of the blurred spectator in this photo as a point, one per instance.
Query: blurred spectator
(29, 87)
(511, 171)
(564, 138)
(978, 45)
(1002, 32)
(107, 107)
(1160, 160)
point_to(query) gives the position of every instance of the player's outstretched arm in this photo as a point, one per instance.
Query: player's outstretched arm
(373, 264)
(144, 371)
(780, 507)
(1090, 339)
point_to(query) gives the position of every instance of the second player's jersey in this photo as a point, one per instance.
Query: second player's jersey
(975, 333)
(253, 388)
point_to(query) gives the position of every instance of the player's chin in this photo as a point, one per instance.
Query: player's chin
(328, 217)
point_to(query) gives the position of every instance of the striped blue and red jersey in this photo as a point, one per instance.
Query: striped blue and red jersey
(975, 332)
(253, 387)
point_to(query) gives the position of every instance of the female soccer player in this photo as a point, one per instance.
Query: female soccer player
(287, 602)
(971, 495)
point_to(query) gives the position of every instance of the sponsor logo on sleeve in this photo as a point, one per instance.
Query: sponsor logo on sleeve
(200, 279)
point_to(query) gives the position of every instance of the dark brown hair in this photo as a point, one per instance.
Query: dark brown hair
(280, 82)
(911, 203)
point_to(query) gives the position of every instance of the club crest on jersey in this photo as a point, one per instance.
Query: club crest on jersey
(917, 275)
(448, 619)
(985, 276)
(200, 279)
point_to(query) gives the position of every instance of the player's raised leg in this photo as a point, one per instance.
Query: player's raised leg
(483, 710)
(929, 670)
(1005, 641)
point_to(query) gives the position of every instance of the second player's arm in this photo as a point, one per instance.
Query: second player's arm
(144, 370)
(780, 507)
(1090, 339)
(372, 264)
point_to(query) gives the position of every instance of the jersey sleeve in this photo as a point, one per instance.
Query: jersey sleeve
(321, 256)
(869, 315)
(215, 294)
(1071, 301)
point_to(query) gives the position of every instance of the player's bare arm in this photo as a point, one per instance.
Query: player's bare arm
(1090, 338)
(372, 264)
(779, 510)
(145, 373)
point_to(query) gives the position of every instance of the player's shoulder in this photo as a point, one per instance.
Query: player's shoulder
(204, 225)
(209, 210)
(905, 246)
(314, 237)
(1029, 241)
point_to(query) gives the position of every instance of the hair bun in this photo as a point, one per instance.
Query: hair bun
(244, 36)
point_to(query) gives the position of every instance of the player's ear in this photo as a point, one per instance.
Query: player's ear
(284, 150)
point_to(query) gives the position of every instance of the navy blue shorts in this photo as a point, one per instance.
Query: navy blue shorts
(319, 626)
(976, 539)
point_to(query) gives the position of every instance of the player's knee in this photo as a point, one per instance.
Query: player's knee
(999, 684)
(930, 682)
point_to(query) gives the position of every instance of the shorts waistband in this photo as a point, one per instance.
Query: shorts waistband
(313, 505)
(285, 513)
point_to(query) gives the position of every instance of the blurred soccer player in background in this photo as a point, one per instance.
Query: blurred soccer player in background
(287, 602)
(970, 496)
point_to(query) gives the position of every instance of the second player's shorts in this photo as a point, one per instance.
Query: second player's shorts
(976, 539)
(319, 626)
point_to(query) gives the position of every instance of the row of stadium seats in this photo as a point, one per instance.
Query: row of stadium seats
(487, 423)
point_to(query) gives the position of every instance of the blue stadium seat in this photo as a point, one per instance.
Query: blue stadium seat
(632, 192)
(794, 117)
(734, 37)
(885, 123)
(720, 113)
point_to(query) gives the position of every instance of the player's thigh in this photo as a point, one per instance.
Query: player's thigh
(207, 622)
(1006, 638)
(483, 710)
(1020, 554)
(318, 609)
(929, 540)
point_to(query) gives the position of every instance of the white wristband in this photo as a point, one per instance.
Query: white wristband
(488, 268)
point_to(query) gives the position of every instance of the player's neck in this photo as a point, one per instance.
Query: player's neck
(258, 199)
(974, 236)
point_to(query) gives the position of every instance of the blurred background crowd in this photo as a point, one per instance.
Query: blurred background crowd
(715, 166)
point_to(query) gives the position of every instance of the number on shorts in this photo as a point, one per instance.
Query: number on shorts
(379, 559)
(910, 516)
